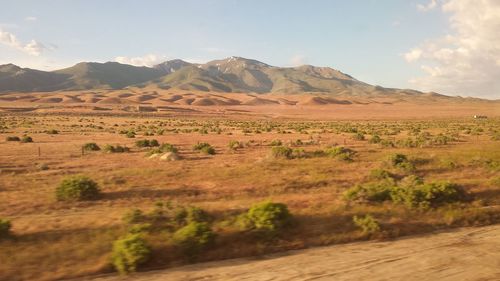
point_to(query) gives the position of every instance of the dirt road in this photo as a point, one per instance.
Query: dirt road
(464, 254)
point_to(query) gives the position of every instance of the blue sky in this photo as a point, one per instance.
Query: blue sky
(365, 38)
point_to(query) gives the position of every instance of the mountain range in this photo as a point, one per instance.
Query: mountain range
(234, 74)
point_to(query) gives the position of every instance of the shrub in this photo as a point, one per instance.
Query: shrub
(235, 145)
(130, 134)
(26, 139)
(340, 152)
(133, 216)
(267, 217)
(52, 132)
(204, 148)
(368, 224)
(5, 226)
(165, 147)
(375, 139)
(194, 237)
(359, 136)
(276, 143)
(426, 195)
(380, 174)
(12, 138)
(401, 161)
(147, 143)
(91, 146)
(115, 149)
(372, 192)
(129, 252)
(77, 188)
(281, 152)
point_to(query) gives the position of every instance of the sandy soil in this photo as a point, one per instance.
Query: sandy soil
(244, 105)
(464, 254)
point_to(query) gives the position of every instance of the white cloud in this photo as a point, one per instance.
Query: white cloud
(413, 55)
(430, 6)
(298, 60)
(147, 60)
(466, 61)
(30, 18)
(33, 48)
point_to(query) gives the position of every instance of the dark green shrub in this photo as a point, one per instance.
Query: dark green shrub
(371, 192)
(134, 216)
(401, 161)
(115, 149)
(380, 174)
(426, 195)
(281, 152)
(12, 138)
(26, 139)
(77, 188)
(194, 237)
(204, 148)
(267, 217)
(235, 145)
(368, 224)
(340, 152)
(276, 143)
(147, 143)
(129, 252)
(91, 146)
(5, 226)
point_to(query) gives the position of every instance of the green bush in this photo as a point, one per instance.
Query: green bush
(165, 147)
(204, 148)
(424, 195)
(340, 152)
(375, 139)
(134, 216)
(380, 174)
(235, 145)
(129, 252)
(26, 139)
(371, 192)
(194, 237)
(115, 149)
(77, 188)
(276, 143)
(401, 161)
(147, 143)
(91, 146)
(130, 134)
(5, 226)
(12, 138)
(368, 224)
(281, 152)
(267, 217)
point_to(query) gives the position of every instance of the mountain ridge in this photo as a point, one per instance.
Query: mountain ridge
(232, 74)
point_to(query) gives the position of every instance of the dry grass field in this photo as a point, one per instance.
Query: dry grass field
(53, 239)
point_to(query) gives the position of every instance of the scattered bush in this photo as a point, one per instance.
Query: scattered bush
(276, 143)
(370, 192)
(115, 149)
(52, 132)
(91, 146)
(130, 134)
(359, 136)
(375, 139)
(133, 216)
(12, 138)
(204, 148)
(26, 139)
(340, 152)
(5, 226)
(380, 174)
(368, 224)
(165, 147)
(77, 188)
(281, 152)
(194, 237)
(147, 143)
(235, 145)
(129, 252)
(267, 217)
(400, 161)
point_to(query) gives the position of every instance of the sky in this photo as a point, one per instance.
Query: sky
(446, 46)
